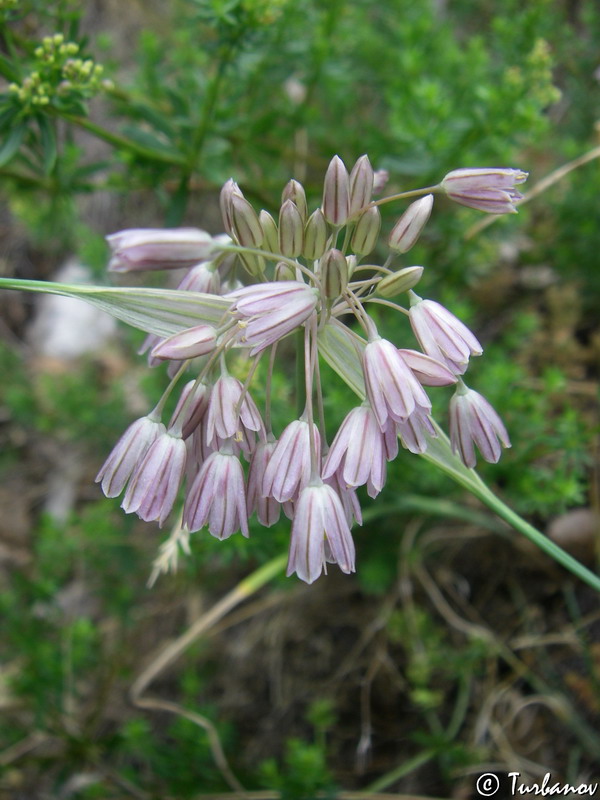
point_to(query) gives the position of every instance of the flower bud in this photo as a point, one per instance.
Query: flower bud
(315, 236)
(229, 187)
(399, 282)
(336, 193)
(148, 248)
(291, 230)
(351, 264)
(189, 343)
(294, 191)
(366, 231)
(333, 272)
(408, 228)
(488, 189)
(361, 185)
(269, 226)
(380, 180)
(246, 225)
(284, 272)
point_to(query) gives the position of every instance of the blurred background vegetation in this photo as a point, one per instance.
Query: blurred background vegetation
(457, 648)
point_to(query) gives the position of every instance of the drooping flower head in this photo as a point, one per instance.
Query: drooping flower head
(297, 269)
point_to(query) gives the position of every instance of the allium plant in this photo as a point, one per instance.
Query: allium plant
(304, 273)
(302, 277)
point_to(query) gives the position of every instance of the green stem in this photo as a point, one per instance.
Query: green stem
(439, 453)
(209, 103)
(300, 385)
(122, 142)
(404, 769)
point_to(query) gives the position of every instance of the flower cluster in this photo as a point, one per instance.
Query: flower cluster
(300, 272)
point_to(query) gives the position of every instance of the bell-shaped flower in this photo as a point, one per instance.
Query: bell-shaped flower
(269, 311)
(170, 248)
(229, 415)
(289, 468)
(267, 508)
(392, 389)
(348, 498)
(415, 430)
(319, 518)
(217, 497)
(474, 421)
(442, 335)
(191, 407)
(487, 189)
(358, 452)
(427, 370)
(127, 454)
(153, 487)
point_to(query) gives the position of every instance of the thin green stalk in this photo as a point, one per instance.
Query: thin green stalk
(123, 142)
(439, 453)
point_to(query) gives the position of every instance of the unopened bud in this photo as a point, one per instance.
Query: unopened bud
(291, 230)
(408, 228)
(366, 232)
(336, 193)
(399, 282)
(294, 191)
(255, 265)
(247, 228)
(380, 180)
(189, 343)
(315, 236)
(351, 264)
(284, 272)
(225, 201)
(333, 271)
(269, 226)
(361, 185)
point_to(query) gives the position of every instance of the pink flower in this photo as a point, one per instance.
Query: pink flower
(190, 411)
(488, 189)
(319, 518)
(153, 487)
(442, 335)
(289, 468)
(358, 453)
(228, 415)
(269, 311)
(127, 454)
(474, 421)
(392, 389)
(414, 431)
(189, 343)
(148, 248)
(217, 497)
(267, 508)
(427, 370)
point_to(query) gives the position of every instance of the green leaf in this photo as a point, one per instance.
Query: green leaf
(9, 70)
(338, 346)
(160, 311)
(147, 140)
(12, 143)
(49, 151)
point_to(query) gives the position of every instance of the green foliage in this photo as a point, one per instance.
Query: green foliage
(303, 772)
